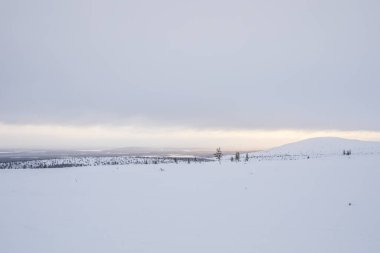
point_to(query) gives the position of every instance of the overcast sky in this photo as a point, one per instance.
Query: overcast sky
(199, 65)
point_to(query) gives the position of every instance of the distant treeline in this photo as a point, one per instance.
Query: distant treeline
(96, 161)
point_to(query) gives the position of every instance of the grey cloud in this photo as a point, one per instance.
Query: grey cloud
(227, 64)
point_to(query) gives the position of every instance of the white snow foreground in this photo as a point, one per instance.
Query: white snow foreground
(329, 204)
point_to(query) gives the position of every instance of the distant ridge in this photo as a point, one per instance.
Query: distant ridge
(327, 146)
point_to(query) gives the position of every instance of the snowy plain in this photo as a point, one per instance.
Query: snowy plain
(300, 205)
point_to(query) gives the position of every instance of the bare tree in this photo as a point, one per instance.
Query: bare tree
(237, 157)
(218, 154)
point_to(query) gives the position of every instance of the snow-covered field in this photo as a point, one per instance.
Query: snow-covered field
(260, 206)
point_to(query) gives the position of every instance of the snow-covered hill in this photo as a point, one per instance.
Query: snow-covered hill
(327, 146)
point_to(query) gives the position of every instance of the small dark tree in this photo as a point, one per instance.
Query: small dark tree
(237, 157)
(246, 157)
(218, 154)
(347, 152)
(175, 160)
(232, 158)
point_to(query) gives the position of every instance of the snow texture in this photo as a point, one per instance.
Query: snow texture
(325, 204)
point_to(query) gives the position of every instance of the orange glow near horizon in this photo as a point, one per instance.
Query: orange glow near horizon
(76, 137)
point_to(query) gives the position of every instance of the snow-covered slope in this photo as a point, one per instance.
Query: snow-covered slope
(327, 146)
(328, 205)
